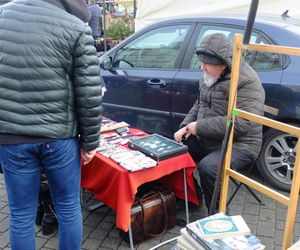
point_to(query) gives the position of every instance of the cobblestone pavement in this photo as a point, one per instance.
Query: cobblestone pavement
(99, 231)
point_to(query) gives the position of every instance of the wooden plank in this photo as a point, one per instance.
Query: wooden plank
(273, 49)
(259, 187)
(292, 208)
(271, 110)
(235, 72)
(268, 122)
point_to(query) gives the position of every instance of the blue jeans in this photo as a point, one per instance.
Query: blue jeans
(22, 165)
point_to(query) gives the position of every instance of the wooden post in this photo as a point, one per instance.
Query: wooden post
(235, 71)
(291, 213)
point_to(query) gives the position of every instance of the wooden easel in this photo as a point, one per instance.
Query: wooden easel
(292, 200)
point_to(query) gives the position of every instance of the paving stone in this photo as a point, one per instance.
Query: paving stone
(235, 209)
(296, 232)
(239, 198)
(91, 244)
(4, 225)
(268, 203)
(280, 224)
(5, 209)
(52, 243)
(250, 219)
(122, 247)
(99, 234)
(112, 242)
(268, 242)
(266, 229)
(40, 242)
(106, 226)
(297, 219)
(250, 208)
(4, 239)
(93, 220)
(278, 237)
(266, 215)
(86, 232)
(281, 214)
(3, 216)
(253, 228)
(2, 204)
(110, 218)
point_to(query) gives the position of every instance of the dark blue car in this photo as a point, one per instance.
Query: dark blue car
(152, 79)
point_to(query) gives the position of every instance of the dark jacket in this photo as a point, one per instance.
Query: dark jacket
(49, 73)
(210, 110)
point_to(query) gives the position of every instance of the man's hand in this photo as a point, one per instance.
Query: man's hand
(191, 129)
(87, 156)
(178, 136)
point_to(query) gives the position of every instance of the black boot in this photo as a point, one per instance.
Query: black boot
(40, 212)
(49, 221)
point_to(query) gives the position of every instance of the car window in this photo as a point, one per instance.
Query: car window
(157, 48)
(227, 31)
(264, 60)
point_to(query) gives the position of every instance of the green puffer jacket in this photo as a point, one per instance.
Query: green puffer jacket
(49, 74)
(210, 110)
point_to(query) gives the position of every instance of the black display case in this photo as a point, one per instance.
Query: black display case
(158, 147)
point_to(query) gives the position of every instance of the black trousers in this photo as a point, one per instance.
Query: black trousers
(208, 162)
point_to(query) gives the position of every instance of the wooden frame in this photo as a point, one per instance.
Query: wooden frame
(290, 201)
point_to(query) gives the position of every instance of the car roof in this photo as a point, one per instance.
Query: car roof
(233, 18)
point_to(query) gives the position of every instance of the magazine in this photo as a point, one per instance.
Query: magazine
(224, 226)
(249, 242)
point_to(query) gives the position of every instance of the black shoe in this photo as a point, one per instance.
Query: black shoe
(49, 221)
(39, 215)
(39, 212)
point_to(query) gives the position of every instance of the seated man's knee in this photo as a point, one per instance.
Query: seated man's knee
(206, 169)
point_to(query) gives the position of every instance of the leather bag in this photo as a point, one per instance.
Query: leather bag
(151, 215)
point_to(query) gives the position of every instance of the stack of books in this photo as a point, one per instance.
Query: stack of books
(218, 232)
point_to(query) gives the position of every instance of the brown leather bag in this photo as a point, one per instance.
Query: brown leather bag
(152, 215)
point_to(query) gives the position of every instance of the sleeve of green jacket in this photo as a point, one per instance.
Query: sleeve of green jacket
(87, 89)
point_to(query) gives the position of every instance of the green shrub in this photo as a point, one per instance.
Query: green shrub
(118, 31)
(121, 27)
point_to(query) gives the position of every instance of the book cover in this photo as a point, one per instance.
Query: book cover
(249, 242)
(226, 226)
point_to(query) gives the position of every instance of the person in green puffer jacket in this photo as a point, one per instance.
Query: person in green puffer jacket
(50, 111)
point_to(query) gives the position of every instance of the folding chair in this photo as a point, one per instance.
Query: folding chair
(239, 184)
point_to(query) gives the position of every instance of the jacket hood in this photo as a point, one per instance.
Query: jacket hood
(77, 8)
(218, 45)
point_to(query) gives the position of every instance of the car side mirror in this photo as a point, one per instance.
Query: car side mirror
(106, 63)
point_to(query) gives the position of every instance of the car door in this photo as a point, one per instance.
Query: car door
(185, 88)
(141, 76)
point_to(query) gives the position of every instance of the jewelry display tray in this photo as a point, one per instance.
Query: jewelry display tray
(158, 147)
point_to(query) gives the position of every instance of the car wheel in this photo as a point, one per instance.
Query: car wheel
(277, 158)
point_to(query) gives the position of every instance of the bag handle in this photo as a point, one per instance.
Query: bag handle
(165, 213)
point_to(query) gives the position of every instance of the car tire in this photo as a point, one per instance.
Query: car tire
(277, 158)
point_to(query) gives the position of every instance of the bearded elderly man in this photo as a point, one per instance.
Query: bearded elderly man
(204, 127)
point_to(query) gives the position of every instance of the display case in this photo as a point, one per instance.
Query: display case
(157, 147)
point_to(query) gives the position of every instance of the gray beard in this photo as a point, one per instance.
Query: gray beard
(208, 79)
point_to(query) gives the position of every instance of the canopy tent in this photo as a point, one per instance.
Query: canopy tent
(156, 10)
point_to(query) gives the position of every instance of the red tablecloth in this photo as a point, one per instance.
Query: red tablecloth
(116, 187)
